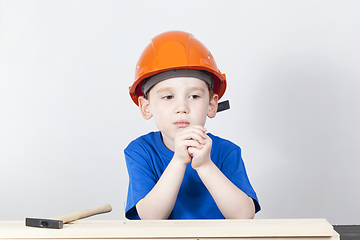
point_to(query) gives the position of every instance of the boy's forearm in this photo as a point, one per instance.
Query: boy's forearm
(160, 201)
(232, 202)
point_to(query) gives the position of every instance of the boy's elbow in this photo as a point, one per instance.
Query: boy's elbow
(249, 213)
(243, 213)
(242, 216)
(149, 213)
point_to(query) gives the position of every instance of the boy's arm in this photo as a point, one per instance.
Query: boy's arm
(231, 201)
(160, 201)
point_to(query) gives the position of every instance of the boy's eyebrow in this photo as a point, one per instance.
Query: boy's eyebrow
(164, 89)
(198, 88)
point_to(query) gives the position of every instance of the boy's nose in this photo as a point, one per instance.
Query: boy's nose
(182, 107)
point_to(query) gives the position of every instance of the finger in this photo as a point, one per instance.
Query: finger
(191, 151)
(191, 131)
(193, 136)
(193, 144)
(202, 128)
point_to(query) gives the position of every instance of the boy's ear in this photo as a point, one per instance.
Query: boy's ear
(144, 106)
(213, 106)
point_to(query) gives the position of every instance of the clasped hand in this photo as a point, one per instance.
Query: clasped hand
(193, 145)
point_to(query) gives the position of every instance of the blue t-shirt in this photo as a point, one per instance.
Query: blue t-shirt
(146, 160)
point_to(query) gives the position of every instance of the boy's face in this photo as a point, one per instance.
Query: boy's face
(177, 103)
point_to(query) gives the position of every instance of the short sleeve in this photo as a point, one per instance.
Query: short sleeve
(227, 156)
(235, 170)
(141, 177)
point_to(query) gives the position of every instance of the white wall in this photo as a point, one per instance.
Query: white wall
(293, 84)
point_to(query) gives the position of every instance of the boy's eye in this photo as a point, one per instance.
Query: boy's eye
(168, 97)
(194, 96)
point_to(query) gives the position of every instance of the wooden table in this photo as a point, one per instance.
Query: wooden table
(299, 229)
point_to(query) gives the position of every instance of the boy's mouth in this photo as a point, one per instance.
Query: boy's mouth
(181, 124)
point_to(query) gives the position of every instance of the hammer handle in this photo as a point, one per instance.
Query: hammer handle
(84, 213)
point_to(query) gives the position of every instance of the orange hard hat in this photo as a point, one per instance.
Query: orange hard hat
(175, 50)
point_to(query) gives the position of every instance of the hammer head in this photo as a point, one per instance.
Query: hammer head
(43, 223)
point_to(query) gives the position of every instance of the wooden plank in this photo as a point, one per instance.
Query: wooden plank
(179, 229)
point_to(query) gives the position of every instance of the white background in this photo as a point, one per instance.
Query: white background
(66, 116)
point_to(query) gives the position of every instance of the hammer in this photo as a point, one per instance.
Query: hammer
(58, 222)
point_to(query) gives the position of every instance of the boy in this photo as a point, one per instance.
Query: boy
(180, 172)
